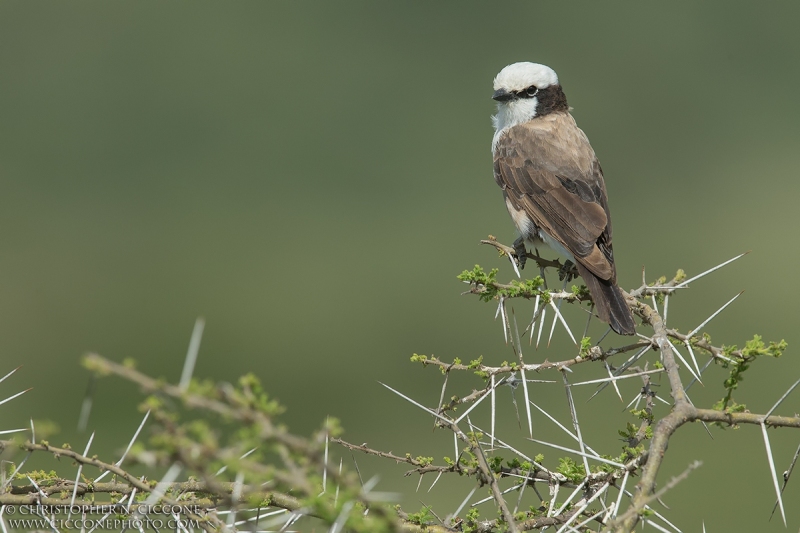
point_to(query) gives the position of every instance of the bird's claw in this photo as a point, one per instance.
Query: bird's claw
(520, 252)
(567, 271)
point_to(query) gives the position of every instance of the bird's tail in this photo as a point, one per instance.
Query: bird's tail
(609, 302)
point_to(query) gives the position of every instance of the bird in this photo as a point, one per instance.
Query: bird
(553, 185)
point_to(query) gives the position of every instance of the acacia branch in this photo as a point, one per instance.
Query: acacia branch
(683, 412)
(511, 252)
(593, 355)
(669, 486)
(133, 481)
(244, 413)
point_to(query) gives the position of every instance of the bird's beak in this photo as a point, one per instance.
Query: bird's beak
(501, 95)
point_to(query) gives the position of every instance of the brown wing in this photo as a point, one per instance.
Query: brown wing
(548, 169)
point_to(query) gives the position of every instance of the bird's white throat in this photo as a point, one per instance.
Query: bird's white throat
(510, 114)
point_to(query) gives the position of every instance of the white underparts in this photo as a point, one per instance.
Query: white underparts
(527, 229)
(555, 246)
(522, 221)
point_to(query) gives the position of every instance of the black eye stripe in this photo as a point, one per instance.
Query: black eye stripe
(528, 92)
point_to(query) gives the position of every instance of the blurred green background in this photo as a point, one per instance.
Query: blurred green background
(310, 178)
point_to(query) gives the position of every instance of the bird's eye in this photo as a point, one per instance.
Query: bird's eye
(531, 91)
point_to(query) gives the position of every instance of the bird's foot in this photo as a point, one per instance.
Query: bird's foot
(567, 272)
(520, 253)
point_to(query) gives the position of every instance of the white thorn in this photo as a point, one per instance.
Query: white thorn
(796, 383)
(707, 320)
(473, 406)
(575, 424)
(568, 432)
(553, 325)
(569, 500)
(463, 503)
(616, 378)
(161, 486)
(635, 400)
(10, 373)
(576, 452)
(342, 518)
(13, 475)
(621, 492)
(130, 444)
(78, 477)
(772, 471)
(527, 402)
(493, 412)
(564, 322)
(336, 496)
(514, 264)
(709, 271)
(430, 411)
(613, 381)
(686, 364)
(635, 357)
(503, 318)
(655, 525)
(236, 493)
(694, 359)
(435, 480)
(444, 388)
(514, 450)
(325, 459)
(191, 354)
(17, 395)
(521, 491)
(583, 507)
(490, 498)
(541, 325)
(533, 319)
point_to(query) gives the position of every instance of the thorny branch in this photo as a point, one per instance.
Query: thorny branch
(682, 412)
(283, 482)
(647, 462)
(290, 480)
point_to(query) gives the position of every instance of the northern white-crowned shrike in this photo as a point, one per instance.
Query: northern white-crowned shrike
(553, 184)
